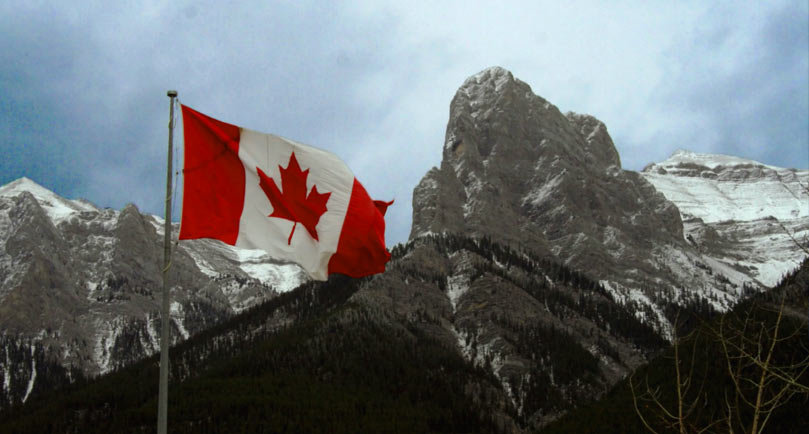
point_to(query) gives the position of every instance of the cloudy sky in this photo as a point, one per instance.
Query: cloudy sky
(83, 106)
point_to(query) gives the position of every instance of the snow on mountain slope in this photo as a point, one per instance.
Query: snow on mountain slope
(213, 257)
(58, 208)
(740, 213)
(720, 187)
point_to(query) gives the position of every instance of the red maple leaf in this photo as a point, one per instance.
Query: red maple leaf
(294, 204)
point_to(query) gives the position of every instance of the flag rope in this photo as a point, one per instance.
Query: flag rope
(176, 164)
(177, 175)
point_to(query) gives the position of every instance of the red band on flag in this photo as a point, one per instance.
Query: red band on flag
(382, 206)
(213, 179)
(361, 250)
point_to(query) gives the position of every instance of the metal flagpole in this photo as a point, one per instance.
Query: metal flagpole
(165, 323)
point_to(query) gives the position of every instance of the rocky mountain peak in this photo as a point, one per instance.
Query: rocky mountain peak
(58, 209)
(22, 184)
(519, 171)
(497, 120)
(522, 185)
(482, 98)
(506, 151)
(491, 83)
(131, 220)
(492, 76)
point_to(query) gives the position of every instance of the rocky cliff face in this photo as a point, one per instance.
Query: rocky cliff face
(518, 170)
(80, 286)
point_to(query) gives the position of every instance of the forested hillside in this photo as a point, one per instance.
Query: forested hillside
(317, 360)
(744, 371)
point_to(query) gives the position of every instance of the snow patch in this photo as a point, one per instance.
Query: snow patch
(770, 272)
(624, 295)
(178, 316)
(471, 188)
(282, 277)
(151, 331)
(33, 375)
(158, 224)
(482, 353)
(107, 332)
(718, 284)
(723, 267)
(712, 161)
(7, 374)
(716, 201)
(538, 195)
(202, 264)
(456, 287)
(104, 244)
(257, 264)
(763, 250)
(594, 132)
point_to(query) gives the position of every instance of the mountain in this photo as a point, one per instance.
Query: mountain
(537, 335)
(742, 215)
(538, 274)
(524, 190)
(525, 344)
(517, 169)
(81, 286)
(337, 370)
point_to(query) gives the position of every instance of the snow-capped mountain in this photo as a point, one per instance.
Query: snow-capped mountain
(81, 285)
(532, 254)
(740, 213)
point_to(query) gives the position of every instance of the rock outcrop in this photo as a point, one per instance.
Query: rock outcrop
(518, 170)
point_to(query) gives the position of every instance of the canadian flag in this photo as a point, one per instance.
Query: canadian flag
(298, 203)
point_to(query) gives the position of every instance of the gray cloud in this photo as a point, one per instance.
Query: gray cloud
(737, 87)
(84, 110)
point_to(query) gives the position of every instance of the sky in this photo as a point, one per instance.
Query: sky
(84, 112)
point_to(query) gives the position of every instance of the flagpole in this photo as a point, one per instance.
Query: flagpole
(165, 323)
